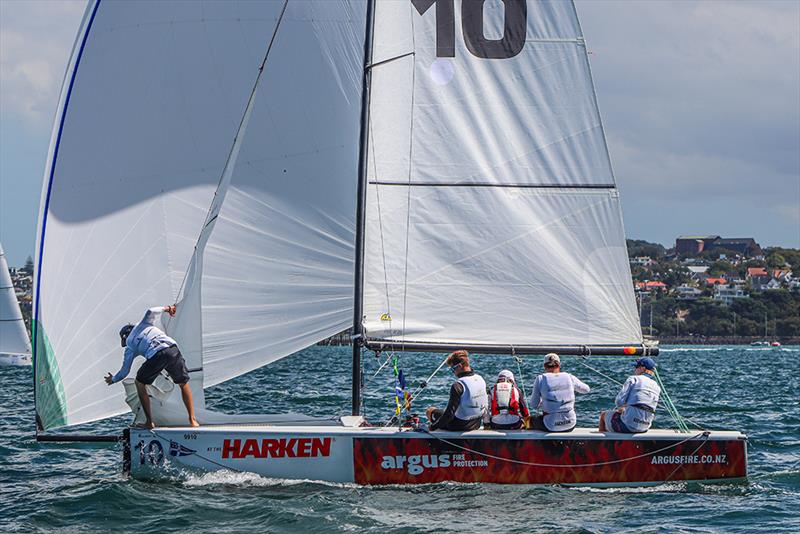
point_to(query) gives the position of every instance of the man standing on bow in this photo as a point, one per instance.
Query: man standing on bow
(161, 352)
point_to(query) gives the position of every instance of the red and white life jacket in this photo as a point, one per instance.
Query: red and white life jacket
(505, 408)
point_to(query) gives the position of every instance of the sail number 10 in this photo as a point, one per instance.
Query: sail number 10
(509, 45)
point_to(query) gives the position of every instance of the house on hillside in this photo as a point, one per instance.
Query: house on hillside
(693, 244)
(713, 281)
(642, 261)
(773, 284)
(728, 293)
(651, 286)
(697, 272)
(781, 274)
(758, 277)
(746, 246)
(685, 292)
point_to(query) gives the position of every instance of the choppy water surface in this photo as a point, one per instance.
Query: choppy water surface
(754, 390)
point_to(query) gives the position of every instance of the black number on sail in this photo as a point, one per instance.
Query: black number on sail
(445, 24)
(472, 21)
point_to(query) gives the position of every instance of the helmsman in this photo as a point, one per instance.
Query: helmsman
(635, 405)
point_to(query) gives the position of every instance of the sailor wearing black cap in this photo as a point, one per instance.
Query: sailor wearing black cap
(161, 352)
(636, 403)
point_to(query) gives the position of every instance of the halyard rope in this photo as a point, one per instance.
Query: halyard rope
(667, 405)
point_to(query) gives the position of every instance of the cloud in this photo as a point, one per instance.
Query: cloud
(35, 43)
(701, 102)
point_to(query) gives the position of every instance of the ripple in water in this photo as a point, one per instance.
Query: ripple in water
(44, 487)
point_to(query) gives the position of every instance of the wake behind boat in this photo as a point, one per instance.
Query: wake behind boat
(331, 165)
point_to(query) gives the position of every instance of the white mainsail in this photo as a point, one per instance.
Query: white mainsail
(492, 211)
(151, 103)
(13, 336)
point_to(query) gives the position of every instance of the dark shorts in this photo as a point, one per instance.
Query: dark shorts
(537, 423)
(615, 424)
(169, 359)
(456, 423)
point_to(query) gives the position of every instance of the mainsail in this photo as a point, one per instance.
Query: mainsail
(13, 336)
(151, 103)
(492, 211)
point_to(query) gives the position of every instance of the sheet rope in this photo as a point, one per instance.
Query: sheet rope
(704, 433)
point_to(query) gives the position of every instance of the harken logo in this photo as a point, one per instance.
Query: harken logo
(277, 448)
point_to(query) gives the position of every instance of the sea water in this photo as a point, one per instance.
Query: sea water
(81, 488)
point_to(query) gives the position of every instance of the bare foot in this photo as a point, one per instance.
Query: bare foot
(149, 425)
(193, 422)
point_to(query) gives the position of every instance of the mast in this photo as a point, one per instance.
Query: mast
(358, 334)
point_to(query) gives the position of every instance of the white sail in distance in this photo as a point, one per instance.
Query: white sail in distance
(13, 335)
(492, 211)
(151, 103)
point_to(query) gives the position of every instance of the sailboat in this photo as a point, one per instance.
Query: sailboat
(431, 173)
(15, 347)
(765, 342)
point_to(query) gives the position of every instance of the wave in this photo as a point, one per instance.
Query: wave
(226, 477)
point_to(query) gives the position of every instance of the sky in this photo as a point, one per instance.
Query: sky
(700, 102)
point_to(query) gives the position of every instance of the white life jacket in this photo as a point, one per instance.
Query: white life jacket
(474, 401)
(505, 405)
(558, 401)
(640, 406)
(558, 395)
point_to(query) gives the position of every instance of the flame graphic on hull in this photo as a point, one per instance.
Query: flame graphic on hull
(562, 461)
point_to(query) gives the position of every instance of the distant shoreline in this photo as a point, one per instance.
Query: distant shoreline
(343, 339)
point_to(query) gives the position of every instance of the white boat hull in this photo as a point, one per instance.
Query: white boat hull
(390, 456)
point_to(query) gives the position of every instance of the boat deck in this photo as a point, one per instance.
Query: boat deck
(338, 429)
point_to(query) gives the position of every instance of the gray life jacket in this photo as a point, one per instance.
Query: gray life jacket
(474, 401)
(558, 395)
(640, 407)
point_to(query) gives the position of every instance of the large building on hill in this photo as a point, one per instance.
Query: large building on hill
(746, 246)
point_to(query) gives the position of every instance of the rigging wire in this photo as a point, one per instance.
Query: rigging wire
(667, 405)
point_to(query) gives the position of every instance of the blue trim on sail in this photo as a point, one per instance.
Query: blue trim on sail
(52, 174)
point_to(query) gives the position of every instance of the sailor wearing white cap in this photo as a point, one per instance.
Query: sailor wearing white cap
(554, 392)
(507, 409)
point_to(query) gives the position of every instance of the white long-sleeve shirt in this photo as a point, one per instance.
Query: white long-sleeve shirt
(557, 405)
(146, 340)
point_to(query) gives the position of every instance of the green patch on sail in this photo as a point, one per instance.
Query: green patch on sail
(51, 403)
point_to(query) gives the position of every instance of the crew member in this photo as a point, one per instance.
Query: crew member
(635, 405)
(507, 408)
(161, 352)
(468, 401)
(554, 392)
